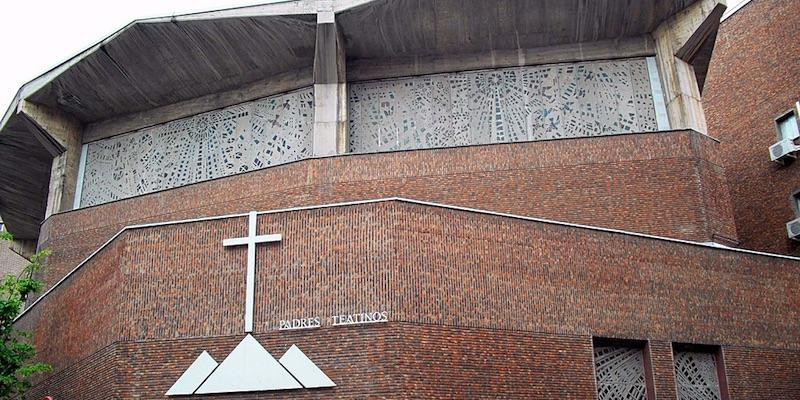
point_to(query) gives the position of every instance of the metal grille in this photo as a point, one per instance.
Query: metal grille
(696, 376)
(620, 373)
(504, 105)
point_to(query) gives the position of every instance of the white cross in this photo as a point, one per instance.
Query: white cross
(251, 241)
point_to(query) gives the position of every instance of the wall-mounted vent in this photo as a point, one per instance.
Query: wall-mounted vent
(783, 151)
(793, 229)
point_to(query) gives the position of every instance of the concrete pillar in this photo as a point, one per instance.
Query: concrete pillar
(330, 85)
(60, 134)
(25, 248)
(677, 42)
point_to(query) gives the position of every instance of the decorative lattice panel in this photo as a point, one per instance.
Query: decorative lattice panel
(504, 105)
(696, 376)
(620, 373)
(224, 142)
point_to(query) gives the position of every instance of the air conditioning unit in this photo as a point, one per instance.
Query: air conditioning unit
(793, 229)
(783, 151)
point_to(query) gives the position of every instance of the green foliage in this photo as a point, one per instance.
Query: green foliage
(15, 353)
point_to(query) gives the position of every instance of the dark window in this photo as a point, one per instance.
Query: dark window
(787, 126)
(796, 203)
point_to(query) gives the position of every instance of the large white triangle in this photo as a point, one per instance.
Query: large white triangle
(249, 368)
(304, 370)
(200, 369)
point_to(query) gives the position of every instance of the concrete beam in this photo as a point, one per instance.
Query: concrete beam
(61, 134)
(276, 84)
(371, 69)
(678, 40)
(25, 248)
(693, 42)
(330, 85)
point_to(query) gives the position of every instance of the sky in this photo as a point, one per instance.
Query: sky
(40, 34)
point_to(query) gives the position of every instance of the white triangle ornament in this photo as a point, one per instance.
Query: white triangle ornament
(249, 368)
(191, 379)
(304, 370)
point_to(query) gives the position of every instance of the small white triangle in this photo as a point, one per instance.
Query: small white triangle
(249, 368)
(304, 370)
(200, 369)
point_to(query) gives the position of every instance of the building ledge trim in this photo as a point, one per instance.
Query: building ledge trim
(734, 10)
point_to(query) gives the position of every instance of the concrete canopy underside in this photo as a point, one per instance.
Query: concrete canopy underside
(154, 64)
(165, 61)
(391, 28)
(24, 179)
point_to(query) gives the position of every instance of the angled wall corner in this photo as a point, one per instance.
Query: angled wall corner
(61, 134)
(679, 40)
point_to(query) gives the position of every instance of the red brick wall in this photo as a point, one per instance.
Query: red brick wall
(394, 361)
(666, 184)
(96, 377)
(401, 360)
(663, 369)
(750, 369)
(429, 266)
(755, 77)
(10, 261)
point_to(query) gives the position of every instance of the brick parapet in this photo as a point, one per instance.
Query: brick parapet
(424, 265)
(664, 183)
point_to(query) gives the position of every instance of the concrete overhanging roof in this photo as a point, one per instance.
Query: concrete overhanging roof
(38, 83)
(156, 62)
(275, 9)
(130, 58)
(73, 87)
(392, 28)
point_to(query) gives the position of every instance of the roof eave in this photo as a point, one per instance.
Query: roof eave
(289, 7)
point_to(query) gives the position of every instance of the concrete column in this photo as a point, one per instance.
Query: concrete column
(678, 40)
(25, 248)
(330, 86)
(60, 134)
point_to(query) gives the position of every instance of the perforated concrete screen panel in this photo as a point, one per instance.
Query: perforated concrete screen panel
(505, 105)
(620, 373)
(696, 375)
(233, 140)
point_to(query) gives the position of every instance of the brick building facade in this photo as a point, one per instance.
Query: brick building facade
(744, 96)
(438, 215)
(10, 261)
(500, 305)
